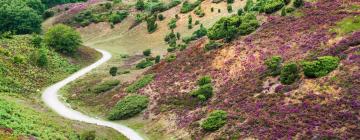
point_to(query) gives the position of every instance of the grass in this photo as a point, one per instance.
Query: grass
(347, 25)
(26, 118)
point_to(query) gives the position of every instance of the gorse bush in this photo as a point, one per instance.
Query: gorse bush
(170, 58)
(140, 5)
(214, 121)
(205, 90)
(139, 83)
(63, 39)
(151, 24)
(268, 6)
(199, 12)
(229, 8)
(202, 31)
(240, 12)
(113, 71)
(42, 60)
(172, 23)
(230, 27)
(144, 64)
(289, 73)
(118, 16)
(147, 52)
(105, 86)
(157, 59)
(128, 107)
(187, 6)
(298, 3)
(320, 67)
(274, 65)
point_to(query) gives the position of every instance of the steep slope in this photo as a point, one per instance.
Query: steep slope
(259, 106)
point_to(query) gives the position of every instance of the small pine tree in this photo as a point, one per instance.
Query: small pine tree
(113, 71)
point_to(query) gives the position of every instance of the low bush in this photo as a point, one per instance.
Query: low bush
(147, 52)
(229, 8)
(88, 135)
(140, 5)
(139, 83)
(230, 1)
(170, 58)
(151, 24)
(161, 17)
(128, 107)
(215, 120)
(172, 23)
(199, 12)
(202, 31)
(212, 45)
(289, 74)
(48, 13)
(230, 27)
(118, 16)
(204, 80)
(105, 86)
(273, 65)
(157, 59)
(298, 3)
(320, 67)
(240, 12)
(144, 63)
(205, 90)
(42, 60)
(187, 6)
(113, 71)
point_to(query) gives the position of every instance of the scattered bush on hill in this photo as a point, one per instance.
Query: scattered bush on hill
(151, 24)
(289, 73)
(230, 27)
(268, 7)
(172, 23)
(187, 6)
(320, 67)
(212, 45)
(215, 120)
(170, 58)
(42, 60)
(128, 107)
(88, 135)
(113, 71)
(205, 90)
(147, 52)
(240, 12)
(63, 39)
(229, 8)
(298, 3)
(144, 64)
(274, 65)
(118, 16)
(105, 86)
(161, 17)
(157, 59)
(199, 12)
(140, 5)
(146, 79)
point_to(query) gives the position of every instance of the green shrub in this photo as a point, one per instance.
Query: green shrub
(42, 60)
(151, 24)
(170, 58)
(289, 74)
(128, 107)
(118, 16)
(190, 26)
(178, 36)
(202, 31)
(140, 5)
(105, 86)
(113, 71)
(157, 59)
(144, 63)
(203, 93)
(212, 45)
(298, 3)
(240, 12)
(147, 52)
(212, 9)
(290, 9)
(214, 121)
(140, 83)
(249, 4)
(172, 23)
(219, 10)
(171, 49)
(187, 39)
(48, 13)
(320, 67)
(199, 12)
(197, 22)
(19, 59)
(286, 2)
(204, 80)
(63, 39)
(230, 27)
(170, 38)
(230, 1)
(283, 12)
(161, 17)
(36, 40)
(229, 8)
(274, 65)
(187, 6)
(182, 46)
(273, 6)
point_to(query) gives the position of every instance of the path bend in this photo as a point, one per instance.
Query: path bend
(51, 98)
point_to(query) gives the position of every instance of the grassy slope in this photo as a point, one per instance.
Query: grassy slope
(26, 80)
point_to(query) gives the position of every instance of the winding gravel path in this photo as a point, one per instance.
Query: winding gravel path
(51, 98)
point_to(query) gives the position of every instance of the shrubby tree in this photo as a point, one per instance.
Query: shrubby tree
(289, 74)
(113, 71)
(128, 107)
(16, 16)
(63, 39)
(151, 24)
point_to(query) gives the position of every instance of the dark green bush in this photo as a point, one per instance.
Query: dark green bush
(36, 40)
(286, 2)
(273, 6)
(140, 5)
(42, 60)
(230, 1)
(283, 11)
(63, 39)
(147, 52)
(202, 31)
(182, 46)
(146, 79)
(187, 39)
(197, 22)
(151, 24)
(170, 38)
(212, 9)
(178, 36)
(48, 13)
(320, 67)
(172, 23)
(187, 6)
(212, 45)
(229, 8)
(105, 86)
(274, 65)
(157, 59)
(128, 107)
(290, 9)
(249, 4)
(240, 12)
(230, 27)
(199, 12)
(161, 17)
(108, 5)
(298, 3)
(205, 90)
(113, 71)
(289, 74)
(144, 63)
(118, 16)
(215, 120)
